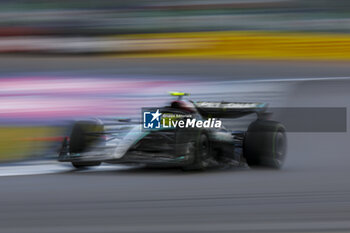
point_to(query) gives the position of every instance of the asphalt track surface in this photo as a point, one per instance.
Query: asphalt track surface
(310, 194)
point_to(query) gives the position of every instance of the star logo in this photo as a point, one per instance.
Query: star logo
(156, 115)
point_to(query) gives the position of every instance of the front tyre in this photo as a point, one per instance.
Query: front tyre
(81, 165)
(265, 144)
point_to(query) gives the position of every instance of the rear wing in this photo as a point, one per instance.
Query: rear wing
(229, 109)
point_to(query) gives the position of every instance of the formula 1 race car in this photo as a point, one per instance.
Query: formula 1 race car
(185, 134)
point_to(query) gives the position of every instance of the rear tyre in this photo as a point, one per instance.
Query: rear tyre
(80, 165)
(265, 144)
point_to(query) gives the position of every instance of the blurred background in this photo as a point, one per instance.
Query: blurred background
(225, 28)
(93, 33)
(67, 60)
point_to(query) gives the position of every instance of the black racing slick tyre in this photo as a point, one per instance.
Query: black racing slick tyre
(201, 154)
(82, 135)
(265, 144)
(80, 165)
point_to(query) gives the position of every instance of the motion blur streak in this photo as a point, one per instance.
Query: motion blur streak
(257, 29)
(57, 97)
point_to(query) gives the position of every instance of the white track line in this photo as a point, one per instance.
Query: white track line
(21, 169)
(282, 80)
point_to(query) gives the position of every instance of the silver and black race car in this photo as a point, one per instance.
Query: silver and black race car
(185, 134)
